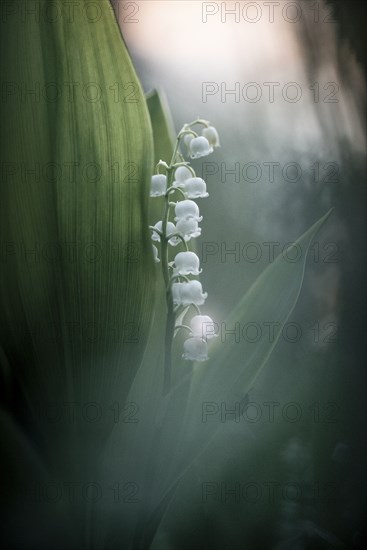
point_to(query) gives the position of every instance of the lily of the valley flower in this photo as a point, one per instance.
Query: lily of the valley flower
(195, 188)
(158, 186)
(212, 136)
(187, 263)
(181, 175)
(179, 178)
(188, 228)
(187, 139)
(171, 229)
(188, 293)
(155, 254)
(203, 326)
(195, 349)
(187, 210)
(200, 147)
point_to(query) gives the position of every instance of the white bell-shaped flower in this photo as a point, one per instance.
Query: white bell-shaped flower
(212, 136)
(187, 263)
(200, 147)
(182, 173)
(203, 326)
(188, 228)
(188, 293)
(187, 139)
(195, 349)
(158, 185)
(155, 254)
(171, 229)
(187, 210)
(155, 236)
(195, 188)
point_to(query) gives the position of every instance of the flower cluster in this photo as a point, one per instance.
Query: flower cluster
(179, 225)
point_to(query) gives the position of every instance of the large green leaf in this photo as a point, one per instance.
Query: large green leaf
(231, 372)
(74, 315)
(181, 438)
(139, 438)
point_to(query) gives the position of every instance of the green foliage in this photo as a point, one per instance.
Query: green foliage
(163, 130)
(93, 269)
(75, 315)
(178, 435)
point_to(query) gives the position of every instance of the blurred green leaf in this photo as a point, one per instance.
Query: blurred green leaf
(140, 438)
(178, 439)
(164, 139)
(77, 290)
(164, 134)
(231, 371)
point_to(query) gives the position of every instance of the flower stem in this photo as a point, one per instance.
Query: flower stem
(172, 189)
(170, 322)
(164, 243)
(179, 236)
(170, 327)
(183, 326)
(155, 230)
(174, 277)
(198, 121)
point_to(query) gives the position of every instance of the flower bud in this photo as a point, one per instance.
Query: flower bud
(185, 294)
(212, 136)
(195, 188)
(187, 263)
(200, 147)
(203, 326)
(158, 185)
(187, 210)
(195, 349)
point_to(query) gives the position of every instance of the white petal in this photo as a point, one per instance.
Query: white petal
(155, 236)
(212, 136)
(200, 147)
(181, 175)
(171, 229)
(195, 349)
(155, 253)
(192, 293)
(187, 209)
(188, 228)
(203, 326)
(187, 263)
(195, 188)
(187, 140)
(188, 293)
(158, 185)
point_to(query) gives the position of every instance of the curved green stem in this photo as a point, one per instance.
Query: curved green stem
(183, 326)
(179, 236)
(197, 309)
(174, 277)
(186, 131)
(201, 121)
(156, 230)
(172, 189)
